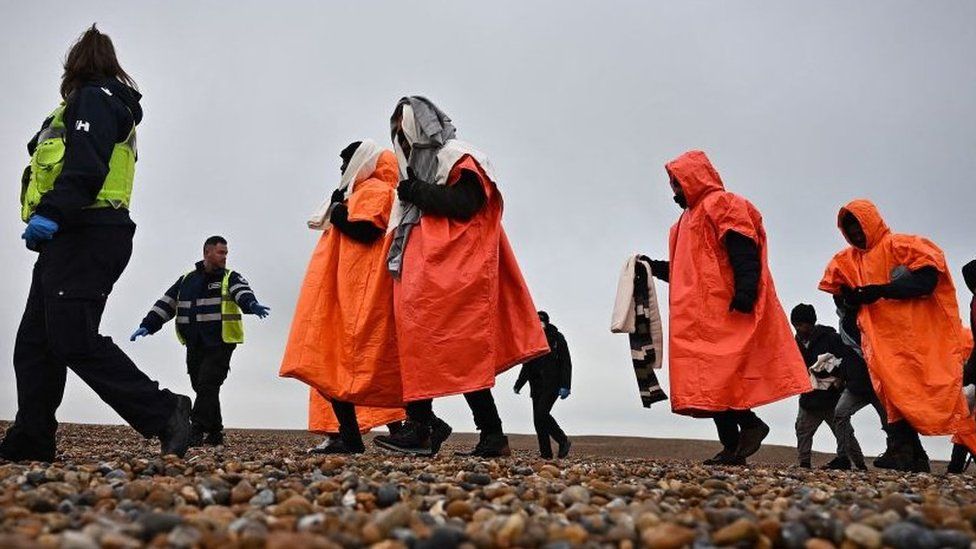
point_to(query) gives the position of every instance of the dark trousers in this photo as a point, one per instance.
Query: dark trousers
(731, 423)
(72, 279)
(345, 412)
(482, 405)
(208, 368)
(545, 425)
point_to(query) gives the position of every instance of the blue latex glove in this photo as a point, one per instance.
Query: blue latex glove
(39, 229)
(141, 332)
(260, 310)
(564, 393)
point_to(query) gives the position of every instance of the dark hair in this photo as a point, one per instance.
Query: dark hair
(213, 241)
(92, 57)
(803, 312)
(346, 154)
(969, 273)
(544, 316)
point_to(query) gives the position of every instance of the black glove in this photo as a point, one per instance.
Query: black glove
(407, 187)
(866, 295)
(742, 303)
(338, 195)
(660, 269)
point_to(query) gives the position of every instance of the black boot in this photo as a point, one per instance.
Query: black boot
(496, 445)
(476, 451)
(564, 447)
(414, 439)
(439, 432)
(839, 463)
(215, 438)
(725, 457)
(885, 460)
(751, 438)
(957, 465)
(920, 459)
(900, 456)
(175, 438)
(338, 446)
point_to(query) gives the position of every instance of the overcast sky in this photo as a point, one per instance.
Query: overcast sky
(801, 106)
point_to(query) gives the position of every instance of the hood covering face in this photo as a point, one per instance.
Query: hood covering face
(868, 217)
(361, 166)
(696, 176)
(427, 130)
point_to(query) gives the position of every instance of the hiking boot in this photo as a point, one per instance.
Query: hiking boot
(839, 463)
(496, 445)
(413, 438)
(175, 438)
(750, 439)
(478, 448)
(439, 432)
(564, 447)
(215, 438)
(338, 446)
(719, 458)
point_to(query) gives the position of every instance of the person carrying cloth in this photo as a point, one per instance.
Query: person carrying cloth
(910, 330)
(463, 312)
(549, 377)
(342, 341)
(731, 348)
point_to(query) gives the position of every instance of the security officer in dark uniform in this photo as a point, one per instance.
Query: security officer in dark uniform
(75, 199)
(207, 303)
(549, 378)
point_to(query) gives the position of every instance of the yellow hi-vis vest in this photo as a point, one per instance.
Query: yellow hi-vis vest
(231, 318)
(48, 159)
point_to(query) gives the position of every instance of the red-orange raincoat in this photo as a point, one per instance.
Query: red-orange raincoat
(914, 348)
(343, 340)
(719, 359)
(463, 311)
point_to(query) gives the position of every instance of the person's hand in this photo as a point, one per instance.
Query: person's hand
(563, 393)
(660, 268)
(261, 311)
(338, 195)
(141, 332)
(866, 295)
(39, 229)
(742, 303)
(407, 188)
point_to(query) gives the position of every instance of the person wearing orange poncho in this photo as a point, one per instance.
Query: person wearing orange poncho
(463, 312)
(913, 341)
(342, 341)
(730, 347)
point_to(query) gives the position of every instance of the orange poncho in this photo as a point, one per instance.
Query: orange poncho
(722, 360)
(914, 348)
(343, 341)
(463, 311)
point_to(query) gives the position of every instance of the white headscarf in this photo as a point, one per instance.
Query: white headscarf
(360, 167)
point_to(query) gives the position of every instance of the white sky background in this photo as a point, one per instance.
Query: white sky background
(801, 107)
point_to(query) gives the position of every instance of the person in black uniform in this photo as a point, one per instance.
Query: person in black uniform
(75, 200)
(549, 378)
(207, 303)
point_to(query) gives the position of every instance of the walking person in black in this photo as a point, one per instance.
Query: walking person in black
(549, 378)
(75, 200)
(207, 303)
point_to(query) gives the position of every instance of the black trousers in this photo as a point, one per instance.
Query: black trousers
(731, 423)
(73, 277)
(208, 367)
(482, 405)
(345, 412)
(545, 425)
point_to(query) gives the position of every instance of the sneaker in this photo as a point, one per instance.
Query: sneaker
(564, 447)
(413, 438)
(215, 438)
(496, 445)
(175, 438)
(439, 432)
(750, 439)
(839, 463)
(337, 446)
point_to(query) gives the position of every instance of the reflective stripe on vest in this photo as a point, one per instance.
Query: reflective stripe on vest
(230, 316)
(48, 159)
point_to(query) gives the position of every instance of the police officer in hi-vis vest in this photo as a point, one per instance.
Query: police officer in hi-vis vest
(207, 303)
(75, 200)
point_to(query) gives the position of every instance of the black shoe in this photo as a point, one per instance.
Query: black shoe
(496, 445)
(175, 438)
(215, 438)
(439, 432)
(839, 463)
(394, 427)
(478, 448)
(196, 437)
(564, 447)
(860, 465)
(805, 465)
(885, 460)
(920, 461)
(719, 458)
(898, 457)
(750, 440)
(413, 439)
(338, 446)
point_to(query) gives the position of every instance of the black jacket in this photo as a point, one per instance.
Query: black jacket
(97, 116)
(460, 201)
(194, 296)
(824, 340)
(857, 379)
(548, 373)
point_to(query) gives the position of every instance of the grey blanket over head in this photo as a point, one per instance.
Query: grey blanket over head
(427, 129)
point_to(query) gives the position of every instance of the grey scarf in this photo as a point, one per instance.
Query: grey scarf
(427, 129)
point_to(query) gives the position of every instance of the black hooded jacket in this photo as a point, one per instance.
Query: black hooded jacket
(97, 116)
(823, 340)
(548, 373)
